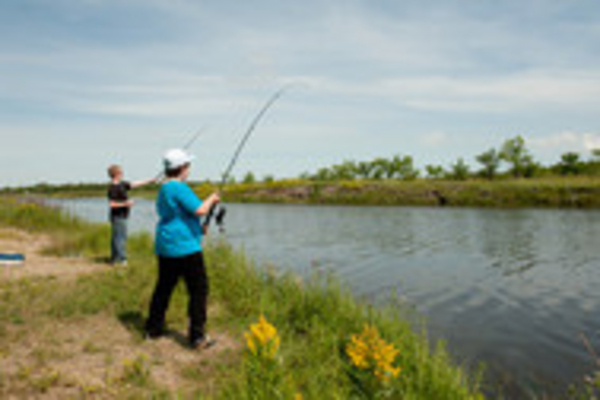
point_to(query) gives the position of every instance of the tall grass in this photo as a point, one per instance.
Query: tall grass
(315, 318)
(572, 192)
(548, 191)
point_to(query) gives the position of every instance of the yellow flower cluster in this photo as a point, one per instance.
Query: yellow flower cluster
(369, 351)
(262, 339)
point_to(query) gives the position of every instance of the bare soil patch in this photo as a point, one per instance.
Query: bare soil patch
(36, 263)
(100, 357)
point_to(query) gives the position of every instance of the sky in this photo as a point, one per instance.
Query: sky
(88, 83)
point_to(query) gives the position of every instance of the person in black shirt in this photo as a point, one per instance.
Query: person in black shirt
(120, 205)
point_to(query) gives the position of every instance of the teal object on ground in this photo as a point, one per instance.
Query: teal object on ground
(11, 258)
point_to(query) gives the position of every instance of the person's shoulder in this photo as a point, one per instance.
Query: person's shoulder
(179, 185)
(172, 186)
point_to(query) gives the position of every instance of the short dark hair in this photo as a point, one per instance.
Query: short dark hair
(175, 172)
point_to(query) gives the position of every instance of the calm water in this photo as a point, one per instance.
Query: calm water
(511, 288)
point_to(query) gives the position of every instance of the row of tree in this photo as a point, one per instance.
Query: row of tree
(511, 159)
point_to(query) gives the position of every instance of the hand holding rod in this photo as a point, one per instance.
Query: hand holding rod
(225, 176)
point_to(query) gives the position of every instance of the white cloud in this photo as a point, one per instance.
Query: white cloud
(591, 141)
(434, 139)
(500, 93)
(566, 141)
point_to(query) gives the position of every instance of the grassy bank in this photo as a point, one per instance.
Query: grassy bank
(557, 192)
(575, 192)
(314, 320)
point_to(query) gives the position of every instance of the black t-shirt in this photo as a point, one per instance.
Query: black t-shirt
(118, 192)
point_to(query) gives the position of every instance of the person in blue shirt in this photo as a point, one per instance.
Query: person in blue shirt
(178, 246)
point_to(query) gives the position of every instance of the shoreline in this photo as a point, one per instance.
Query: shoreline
(314, 318)
(564, 193)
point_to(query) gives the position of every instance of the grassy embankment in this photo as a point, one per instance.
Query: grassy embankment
(578, 192)
(567, 192)
(314, 320)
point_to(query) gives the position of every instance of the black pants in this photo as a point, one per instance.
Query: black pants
(192, 269)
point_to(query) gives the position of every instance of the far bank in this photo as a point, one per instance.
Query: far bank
(552, 192)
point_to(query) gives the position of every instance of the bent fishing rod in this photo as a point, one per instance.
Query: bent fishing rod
(220, 209)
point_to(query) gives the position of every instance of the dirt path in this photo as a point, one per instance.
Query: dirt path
(37, 264)
(100, 356)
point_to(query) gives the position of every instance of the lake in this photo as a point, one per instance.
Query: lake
(511, 288)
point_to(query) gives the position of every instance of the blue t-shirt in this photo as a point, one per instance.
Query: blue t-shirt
(178, 232)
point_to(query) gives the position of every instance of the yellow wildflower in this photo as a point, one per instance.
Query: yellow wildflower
(263, 339)
(369, 351)
(250, 342)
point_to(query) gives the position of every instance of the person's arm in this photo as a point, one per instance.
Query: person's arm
(204, 209)
(120, 204)
(137, 184)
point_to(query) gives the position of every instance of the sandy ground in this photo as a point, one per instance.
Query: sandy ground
(101, 356)
(37, 264)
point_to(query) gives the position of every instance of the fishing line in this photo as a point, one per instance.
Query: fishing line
(220, 209)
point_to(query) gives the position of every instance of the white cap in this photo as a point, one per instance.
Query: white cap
(176, 158)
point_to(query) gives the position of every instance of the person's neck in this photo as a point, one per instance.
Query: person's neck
(116, 181)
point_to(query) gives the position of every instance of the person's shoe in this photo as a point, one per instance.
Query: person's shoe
(203, 342)
(153, 335)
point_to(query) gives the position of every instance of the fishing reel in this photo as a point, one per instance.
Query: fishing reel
(220, 218)
(219, 213)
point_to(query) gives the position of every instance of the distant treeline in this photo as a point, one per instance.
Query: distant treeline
(511, 160)
(70, 189)
(48, 188)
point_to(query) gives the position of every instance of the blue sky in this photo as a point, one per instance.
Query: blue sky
(87, 83)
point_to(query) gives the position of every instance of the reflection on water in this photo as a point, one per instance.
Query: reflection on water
(512, 288)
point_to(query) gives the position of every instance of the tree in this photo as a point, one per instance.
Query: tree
(249, 178)
(381, 168)
(570, 164)
(596, 154)
(530, 167)
(364, 169)
(403, 168)
(490, 161)
(435, 171)
(269, 179)
(514, 152)
(459, 171)
(345, 171)
(323, 174)
(305, 176)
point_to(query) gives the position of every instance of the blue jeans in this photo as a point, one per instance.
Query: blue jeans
(118, 240)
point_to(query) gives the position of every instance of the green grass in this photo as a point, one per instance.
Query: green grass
(571, 192)
(550, 191)
(315, 318)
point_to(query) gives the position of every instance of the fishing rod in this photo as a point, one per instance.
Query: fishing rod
(186, 147)
(220, 209)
